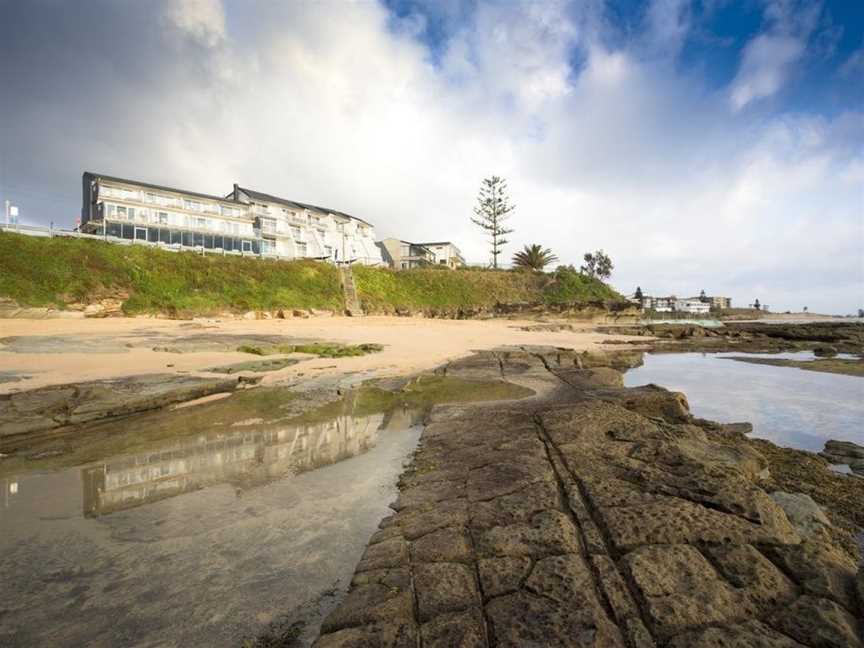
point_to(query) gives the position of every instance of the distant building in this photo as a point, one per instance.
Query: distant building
(404, 255)
(692, 305)
(659, 304)
(243, 222)
(720, 303)
(445, 254)
(697, 305)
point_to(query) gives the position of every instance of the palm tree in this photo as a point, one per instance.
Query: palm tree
(533, 257)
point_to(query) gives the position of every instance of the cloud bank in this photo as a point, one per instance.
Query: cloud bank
(607, 141)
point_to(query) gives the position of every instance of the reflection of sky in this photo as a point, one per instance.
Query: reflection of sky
(792, 407)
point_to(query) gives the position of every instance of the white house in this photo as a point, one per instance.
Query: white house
(692, 305)
(243, 222)
(445, 253)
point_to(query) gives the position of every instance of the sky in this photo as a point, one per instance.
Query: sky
(703, 144)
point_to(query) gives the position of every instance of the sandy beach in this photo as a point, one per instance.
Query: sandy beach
(60, 351)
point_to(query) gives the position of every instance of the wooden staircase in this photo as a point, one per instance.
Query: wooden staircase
(349, 291)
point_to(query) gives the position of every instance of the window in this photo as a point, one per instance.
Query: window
(443, 262)
(192, 205)
(162, 218)
(201, 223)
(328, 250)
(295, 232)
(301, 249)
(247, 246)
(121, 212)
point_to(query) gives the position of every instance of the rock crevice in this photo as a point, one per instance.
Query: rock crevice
(591, 515)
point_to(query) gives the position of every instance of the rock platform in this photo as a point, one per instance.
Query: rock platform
(592, 515)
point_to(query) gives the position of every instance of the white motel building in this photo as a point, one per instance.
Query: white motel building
(244, 222)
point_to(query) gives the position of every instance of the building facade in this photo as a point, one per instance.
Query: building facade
(244, 222)
(696, 305)
(659, 304)
(299, 230)
(692, 305)
(445, 253)
(404, 255)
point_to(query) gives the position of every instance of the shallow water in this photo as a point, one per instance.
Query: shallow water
(195, 527)
(789, 406)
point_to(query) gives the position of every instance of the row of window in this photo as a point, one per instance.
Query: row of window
(304, 218)
(157, 217)
(170, 201)
(176, 202)
(133, 232)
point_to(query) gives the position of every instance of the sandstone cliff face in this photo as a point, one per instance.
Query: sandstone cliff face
(593, 516)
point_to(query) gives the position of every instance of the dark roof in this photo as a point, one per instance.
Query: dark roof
(438, 243)
(258, 195)
(155, 186)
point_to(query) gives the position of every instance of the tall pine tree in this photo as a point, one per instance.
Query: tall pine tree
(493, 208)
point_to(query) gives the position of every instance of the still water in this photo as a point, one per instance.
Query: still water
(194, 527)
(789, 406)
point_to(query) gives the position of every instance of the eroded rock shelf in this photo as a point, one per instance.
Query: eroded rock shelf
(591, 516)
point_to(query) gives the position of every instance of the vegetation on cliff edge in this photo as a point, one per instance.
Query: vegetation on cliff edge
(63, 271)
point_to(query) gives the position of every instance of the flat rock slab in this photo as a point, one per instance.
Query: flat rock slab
(605, 517)
(255, 366)
(59, 405)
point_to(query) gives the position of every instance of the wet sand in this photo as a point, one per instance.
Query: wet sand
(80, 350)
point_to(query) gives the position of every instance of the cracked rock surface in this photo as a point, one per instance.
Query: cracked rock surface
(590, 516)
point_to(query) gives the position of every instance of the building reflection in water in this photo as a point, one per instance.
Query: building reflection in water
(247, 457)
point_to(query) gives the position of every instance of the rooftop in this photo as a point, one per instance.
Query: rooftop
(93, 176)
(264, 197)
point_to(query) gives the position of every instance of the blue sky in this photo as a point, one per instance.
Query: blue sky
(703, 143)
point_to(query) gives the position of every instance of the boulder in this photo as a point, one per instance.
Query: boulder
(805, 514)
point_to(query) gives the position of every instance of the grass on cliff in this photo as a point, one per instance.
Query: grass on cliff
(381, 289)
(61, 271)
(58, 271)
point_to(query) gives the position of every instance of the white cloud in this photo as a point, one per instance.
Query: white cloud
(769, 58)
(345, 111)
(204, 20)
(764, 68)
